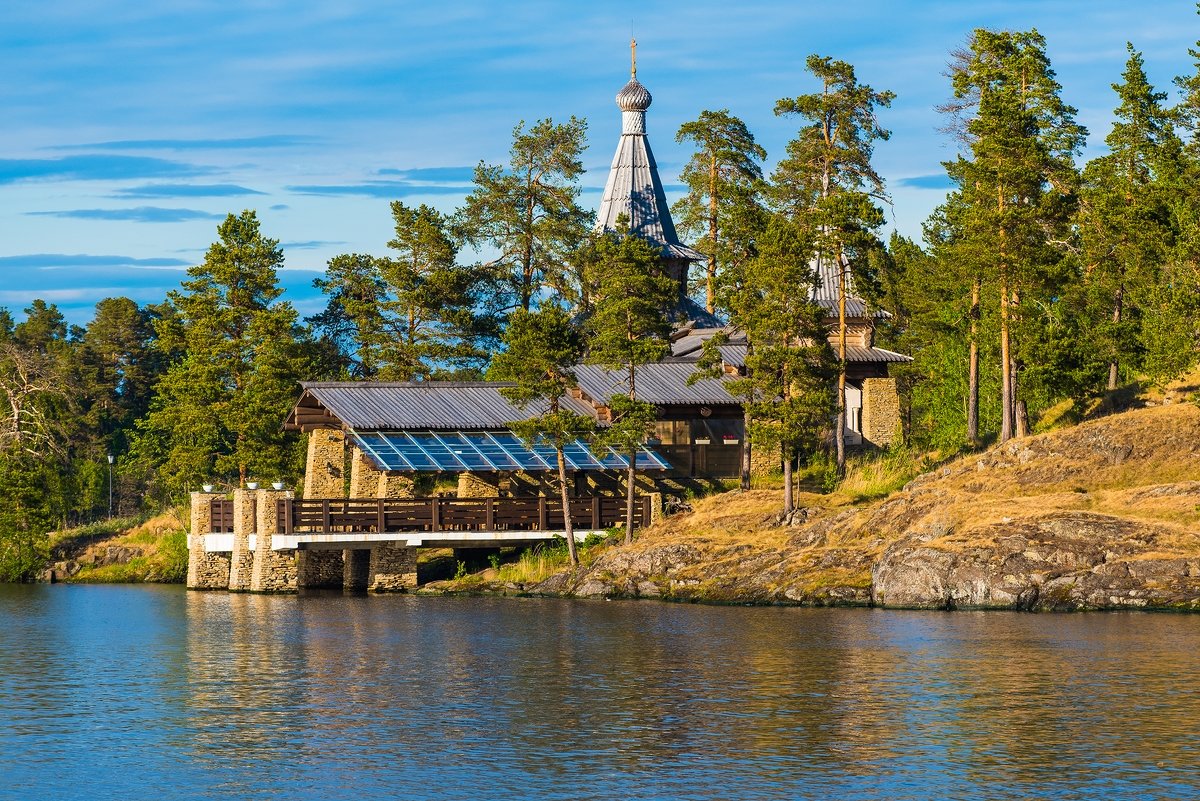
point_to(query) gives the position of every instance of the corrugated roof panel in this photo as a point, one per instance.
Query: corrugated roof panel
(365, 406)
(663, 383)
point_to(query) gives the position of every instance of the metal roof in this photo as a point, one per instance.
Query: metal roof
(734, 354)
(487, 452)
(441, 405)
(826, 292)
(635, 190)
(663, 384)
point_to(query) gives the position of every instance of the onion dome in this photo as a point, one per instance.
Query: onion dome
(634, 97)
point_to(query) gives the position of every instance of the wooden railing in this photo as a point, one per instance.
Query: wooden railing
(340, 515)
(221, 519)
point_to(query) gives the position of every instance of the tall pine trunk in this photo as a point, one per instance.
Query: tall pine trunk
(789, 502)
(747, 452)
(973, 369)
(1113, 366)
(568, 528)
(840, 430)
(710, 285)
(631, 472)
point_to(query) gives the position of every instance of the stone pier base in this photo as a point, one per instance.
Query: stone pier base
(319, 569)
(206, 571)
(273, 571)
(356, 569)
(241, 561)
(392, 568)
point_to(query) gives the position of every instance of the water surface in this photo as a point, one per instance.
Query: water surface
(155, 692)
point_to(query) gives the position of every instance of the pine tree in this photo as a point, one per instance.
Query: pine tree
(1015, 182)
(723, 177)
(629, 327)
(789, 366)
(1125, 217)
(541, 349)
(529, 210)
(219, 410)
(828, 185)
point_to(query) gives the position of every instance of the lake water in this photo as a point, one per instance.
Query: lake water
(158, 693)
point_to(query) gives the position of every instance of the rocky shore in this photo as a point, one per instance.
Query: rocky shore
(1104, 515)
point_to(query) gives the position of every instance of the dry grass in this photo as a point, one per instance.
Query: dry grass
(160, 544)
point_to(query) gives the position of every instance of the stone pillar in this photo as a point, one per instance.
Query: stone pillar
(393, 568)
(395, 485)
(765, 461)
(319, 569)
(325, 467)
(274, 571)
(880, 411)
(206, 571)
(364, 478)
(478, 485)
(356, 566)
(241, 561)
(656, 507)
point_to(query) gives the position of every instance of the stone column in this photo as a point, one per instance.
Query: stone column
(478, 485)
(356, 567)
(395, 485)
(880, 411)
(364, 477)
(241, 561)
(274, 571)
(393, 568)
(765, 462)
(206, 571)
(325, 467)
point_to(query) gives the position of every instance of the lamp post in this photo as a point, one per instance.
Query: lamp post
(110, 464)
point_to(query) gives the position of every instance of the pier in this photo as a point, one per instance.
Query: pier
(269, 541)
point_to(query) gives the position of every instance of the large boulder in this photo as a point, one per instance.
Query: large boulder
(1060, 560)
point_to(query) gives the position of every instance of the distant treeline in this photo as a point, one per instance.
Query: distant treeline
(1039, 281)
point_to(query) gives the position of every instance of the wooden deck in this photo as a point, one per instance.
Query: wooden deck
(353, 516)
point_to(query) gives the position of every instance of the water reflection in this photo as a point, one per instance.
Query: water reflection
(131, 692)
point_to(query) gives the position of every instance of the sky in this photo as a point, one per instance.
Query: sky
(130, 129)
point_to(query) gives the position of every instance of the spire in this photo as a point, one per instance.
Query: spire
(634, 187)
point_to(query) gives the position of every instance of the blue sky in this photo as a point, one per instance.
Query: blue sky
(132, 128)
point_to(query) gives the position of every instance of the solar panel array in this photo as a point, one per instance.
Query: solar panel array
(488, 451)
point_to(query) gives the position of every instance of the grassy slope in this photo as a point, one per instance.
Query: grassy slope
(125, 551)
(1141, 466)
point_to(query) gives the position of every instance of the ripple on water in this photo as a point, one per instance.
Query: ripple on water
(120, 692)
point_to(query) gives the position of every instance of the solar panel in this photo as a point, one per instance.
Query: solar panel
(488, 451)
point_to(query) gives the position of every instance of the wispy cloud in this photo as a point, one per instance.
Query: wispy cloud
(142, 214)
(279, 207)
(935, 181)
(184, 190)
(310, 245)
(52, 261)
(242, 143)
(381, 189)
(459, 175)
(95, 168)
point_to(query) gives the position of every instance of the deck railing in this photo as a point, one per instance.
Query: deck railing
(341, 515)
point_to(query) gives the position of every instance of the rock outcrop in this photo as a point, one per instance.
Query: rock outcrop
(1058, 561)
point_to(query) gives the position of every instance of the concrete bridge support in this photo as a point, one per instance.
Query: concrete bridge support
(206, 571)
(392, 568)
(273, 571)
(356, 569)
(319, 570)
(241, 560)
